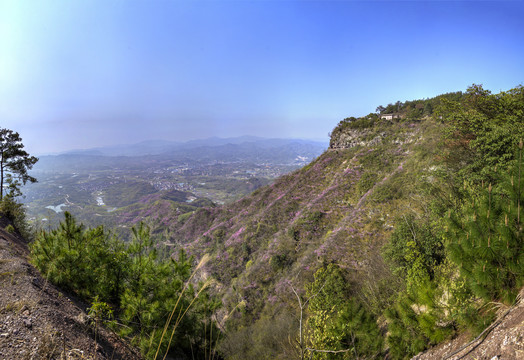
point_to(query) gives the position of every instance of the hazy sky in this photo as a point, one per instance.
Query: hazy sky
(79, 74)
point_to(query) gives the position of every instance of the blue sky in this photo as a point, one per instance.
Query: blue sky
(80, 74)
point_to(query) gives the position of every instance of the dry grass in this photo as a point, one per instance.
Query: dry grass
(17, 306)
(182, 313)
(52, 345)
(48, 347)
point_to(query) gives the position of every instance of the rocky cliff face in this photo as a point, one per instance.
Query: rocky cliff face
(38, 321)
(347, 137)
(351, 138)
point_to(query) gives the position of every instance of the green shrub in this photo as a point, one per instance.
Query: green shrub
(15, 212)
(279, 261)
(414, 251)
(10, 229)
(89, 262)
(392, 189)
(338, 322)
(366, 182)
(405, 337)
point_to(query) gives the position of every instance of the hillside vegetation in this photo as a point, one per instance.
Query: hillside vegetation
(404, 233)
(375, 205)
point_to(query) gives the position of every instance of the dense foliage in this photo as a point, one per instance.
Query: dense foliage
(486, 237)
(482, 133)
(417, 109)
(153, 301)
(339, 326)
(480, 229)
(15, 212)
(15, 164)
(472, 254)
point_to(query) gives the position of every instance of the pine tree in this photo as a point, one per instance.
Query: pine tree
(14, 162)
(359, 331)
(485, 239)
(87, 261)
(405, 336)
(139, 289)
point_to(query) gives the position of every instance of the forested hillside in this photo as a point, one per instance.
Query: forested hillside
(406, 232)
(376, 206)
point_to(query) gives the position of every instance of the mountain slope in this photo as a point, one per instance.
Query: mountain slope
(384, 183)
(337, 209)
(38, 321)
(406, 191)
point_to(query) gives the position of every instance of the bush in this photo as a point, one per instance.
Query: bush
(339, 322)
(366, 182)
(15, 212)
(392, 189)
(405, 337)
(414, 251)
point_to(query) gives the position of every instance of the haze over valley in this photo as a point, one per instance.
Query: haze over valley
(115, 185)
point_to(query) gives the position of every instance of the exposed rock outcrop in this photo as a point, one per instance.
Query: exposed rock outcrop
(351, 138)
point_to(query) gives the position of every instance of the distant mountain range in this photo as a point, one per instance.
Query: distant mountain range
(99, 183)
(245, 149)
(157, 147)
